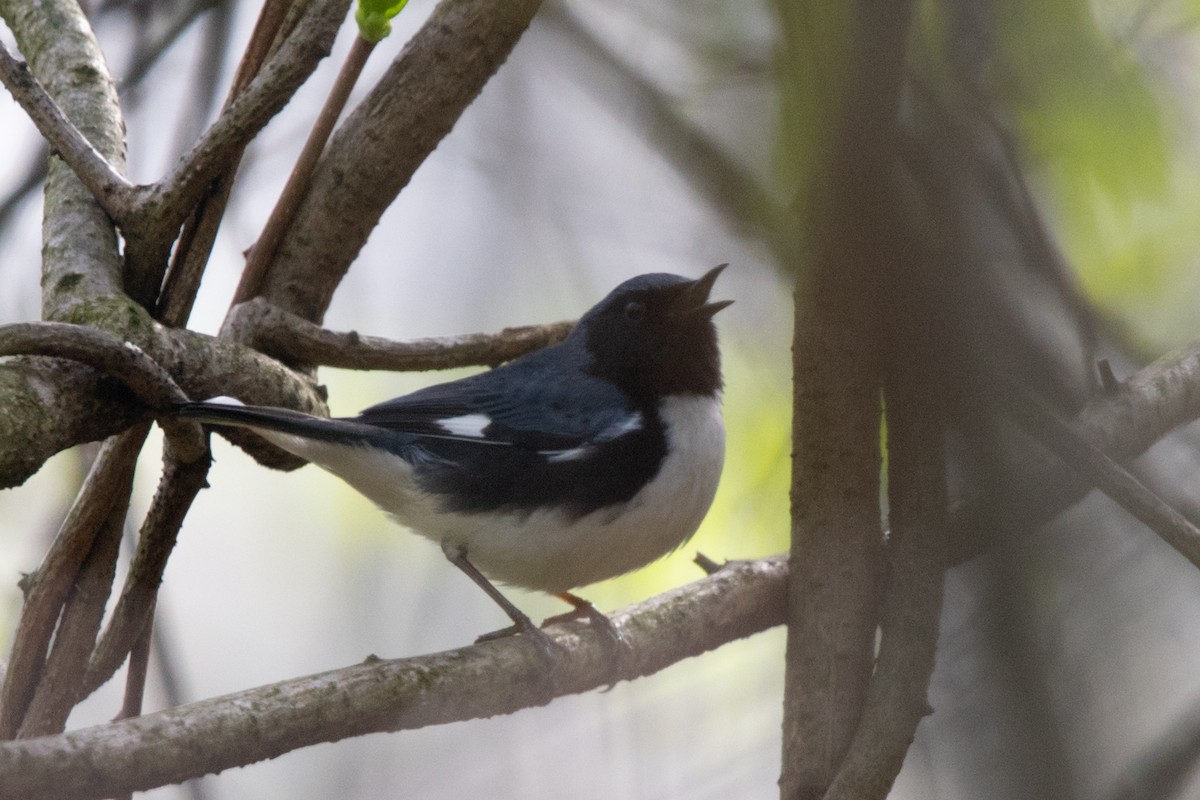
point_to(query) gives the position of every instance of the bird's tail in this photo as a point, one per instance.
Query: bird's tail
(229, 412)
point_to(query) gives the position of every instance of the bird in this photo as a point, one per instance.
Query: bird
(566, 466)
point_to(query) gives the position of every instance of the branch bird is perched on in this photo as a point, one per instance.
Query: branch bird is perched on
(566, 466)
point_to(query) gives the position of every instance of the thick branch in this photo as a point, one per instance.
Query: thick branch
(80, 257)
(124, 361)
(480, 681)
(50, 404)
(295, 340)
(381, 143)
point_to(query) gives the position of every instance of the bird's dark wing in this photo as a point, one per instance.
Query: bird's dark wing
(524, 406)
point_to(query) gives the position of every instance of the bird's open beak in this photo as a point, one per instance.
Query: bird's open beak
(694, 302)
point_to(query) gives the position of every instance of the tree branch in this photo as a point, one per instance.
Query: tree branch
(110, 188)
(199, 184)
(133, 615)
(162, 208)
(124, 361)
(262, 253)
(46, 589)
(1101, 471)
(484, 680)
(916, 446)
(80, 257)
(713, 175)
(51, 405)
(58, 684)
(1122, 424)
(295, 340)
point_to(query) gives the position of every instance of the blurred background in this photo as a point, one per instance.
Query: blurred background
(1050, 146)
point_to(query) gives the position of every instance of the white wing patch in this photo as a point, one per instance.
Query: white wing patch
(225, 400)
(629, 424)
(468, 425)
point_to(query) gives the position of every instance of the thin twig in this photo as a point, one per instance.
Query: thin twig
(729, 187)
(148, 54)
(499, 677)
(161, 209)
(110, 188)
(286, 336)
(263, 251)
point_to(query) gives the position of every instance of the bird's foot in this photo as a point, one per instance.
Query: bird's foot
(619, 649)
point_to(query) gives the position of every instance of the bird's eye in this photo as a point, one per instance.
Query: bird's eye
(635, 311)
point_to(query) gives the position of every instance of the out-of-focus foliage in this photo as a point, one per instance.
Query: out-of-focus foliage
(1098, 103)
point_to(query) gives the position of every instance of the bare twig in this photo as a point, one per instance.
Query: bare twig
(728, 186)
(263, 326)
(246, 115)
(1122, 423)
(498, 677)
(110, 188)
(263, 251)
(46, 589)
(147, 55)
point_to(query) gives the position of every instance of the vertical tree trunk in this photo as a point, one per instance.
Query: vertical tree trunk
(837, 556)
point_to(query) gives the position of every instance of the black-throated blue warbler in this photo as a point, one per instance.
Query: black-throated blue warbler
(566, 466)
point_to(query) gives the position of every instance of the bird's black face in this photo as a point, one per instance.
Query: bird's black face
(654, 336)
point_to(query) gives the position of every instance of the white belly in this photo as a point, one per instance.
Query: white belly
(547, 550)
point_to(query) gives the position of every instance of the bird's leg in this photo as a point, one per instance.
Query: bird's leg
(583, 609)
(456, 554)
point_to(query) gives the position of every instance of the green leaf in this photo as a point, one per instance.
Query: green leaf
(374, 18)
